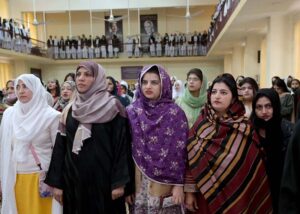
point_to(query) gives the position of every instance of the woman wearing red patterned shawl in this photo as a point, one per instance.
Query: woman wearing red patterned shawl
(226, 172)
(159, 131)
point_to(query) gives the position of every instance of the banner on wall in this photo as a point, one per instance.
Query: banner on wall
(114, 28)
(148, 26)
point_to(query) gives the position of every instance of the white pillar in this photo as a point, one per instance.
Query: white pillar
(279, 48)
(238, 61)
(251, 65)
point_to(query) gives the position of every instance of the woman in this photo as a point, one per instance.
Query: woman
(225, 165)
(54, 89)
(67, 91)
(10, 96)
(177, 89)
(286, 99)
(249, 88)
(290, 185)
(274, 134)
(89, 165)
(238, 80)
(30, 123)
(159, 131)
(194, 96)
(70, 77)
(295, 86)
(113, 90)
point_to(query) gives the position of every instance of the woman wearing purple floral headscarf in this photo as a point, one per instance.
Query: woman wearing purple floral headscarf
(159, 134)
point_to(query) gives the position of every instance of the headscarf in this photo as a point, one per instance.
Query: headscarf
(159, 133)
(61, 103)
(192, 105)
(21, 124)
(273, 143)
(272, 126)
(225, 161)
(177, 92)
(94, 106)
(29, 117)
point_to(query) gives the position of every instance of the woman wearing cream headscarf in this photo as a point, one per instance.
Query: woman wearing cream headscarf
(30, 123)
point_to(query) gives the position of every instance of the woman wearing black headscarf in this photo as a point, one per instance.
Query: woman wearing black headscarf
(274, 134)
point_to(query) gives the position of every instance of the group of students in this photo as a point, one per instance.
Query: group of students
(14, 36)
(199, 154)
(81, 47)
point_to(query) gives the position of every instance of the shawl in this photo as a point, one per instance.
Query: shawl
(159, 133)
(21, 123)
(192, 105)
(226, 163)
(94, 106)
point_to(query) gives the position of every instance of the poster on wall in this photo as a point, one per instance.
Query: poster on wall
(148, 26)
(114, 29)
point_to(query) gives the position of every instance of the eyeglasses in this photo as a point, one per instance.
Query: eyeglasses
(261, 107)
(193, 79)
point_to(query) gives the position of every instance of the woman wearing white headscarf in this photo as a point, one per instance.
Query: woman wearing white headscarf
(178, 89)
(30, 125)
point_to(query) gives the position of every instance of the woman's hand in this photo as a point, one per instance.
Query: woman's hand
(58, 195)
(130, 199)
(178, 195)
(117, 193)
(191, 201)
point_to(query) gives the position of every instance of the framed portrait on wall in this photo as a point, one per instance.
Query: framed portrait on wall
(114, 29)
(148, 26)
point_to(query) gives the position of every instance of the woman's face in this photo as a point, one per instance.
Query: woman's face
(247, 91)
(24, 94)
(220, 98)
(193, 83)
(66, 91)
(278, 89)
(264, 108)
(10, 89)
(51, 84)
(151, 86)
(84, 80)
(295, 85)
(177, 86)
(109, 85)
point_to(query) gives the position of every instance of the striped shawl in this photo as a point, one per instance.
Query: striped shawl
(226, 164)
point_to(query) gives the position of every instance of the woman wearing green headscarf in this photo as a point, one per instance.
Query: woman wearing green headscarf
(194, 96)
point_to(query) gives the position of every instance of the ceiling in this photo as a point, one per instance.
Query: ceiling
(253, 20)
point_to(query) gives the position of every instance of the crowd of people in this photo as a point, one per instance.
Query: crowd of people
(167, 146)
(81, 47)
(15, 36)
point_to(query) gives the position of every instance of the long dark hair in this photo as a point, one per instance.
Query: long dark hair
(57, 89)
(115, 90)
(281, 84)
